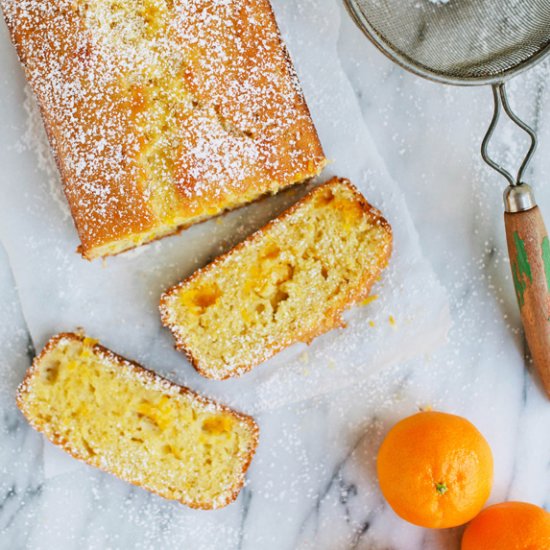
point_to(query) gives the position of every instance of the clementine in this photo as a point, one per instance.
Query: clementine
(435, 469)
(509, 526)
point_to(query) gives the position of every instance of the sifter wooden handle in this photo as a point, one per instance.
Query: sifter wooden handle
(529, 249)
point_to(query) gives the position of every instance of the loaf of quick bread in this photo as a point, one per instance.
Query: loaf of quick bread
(162, 113)
(289, 282)
(126, 420)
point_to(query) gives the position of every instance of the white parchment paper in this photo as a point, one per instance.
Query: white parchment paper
(116, 301)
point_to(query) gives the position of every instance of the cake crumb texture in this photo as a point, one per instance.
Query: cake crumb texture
(289, 282)
(126, 420)
(163, 113)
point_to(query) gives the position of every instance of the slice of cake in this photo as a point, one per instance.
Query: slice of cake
(126, 420)
(162, 113)
(289, 282)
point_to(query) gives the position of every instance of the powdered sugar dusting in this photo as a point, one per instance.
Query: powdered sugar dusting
(162, 112)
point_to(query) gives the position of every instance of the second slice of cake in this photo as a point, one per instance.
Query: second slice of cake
(289, 282)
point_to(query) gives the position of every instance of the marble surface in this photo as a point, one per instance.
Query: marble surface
(312, 484)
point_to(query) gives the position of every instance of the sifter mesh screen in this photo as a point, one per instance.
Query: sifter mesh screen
(465, 40)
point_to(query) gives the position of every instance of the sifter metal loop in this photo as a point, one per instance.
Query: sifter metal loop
(500, 98)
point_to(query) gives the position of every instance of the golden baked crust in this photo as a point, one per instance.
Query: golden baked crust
(230, 315)
(44, 417)
(162, 113)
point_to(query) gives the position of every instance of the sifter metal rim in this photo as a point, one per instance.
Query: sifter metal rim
(408, 64)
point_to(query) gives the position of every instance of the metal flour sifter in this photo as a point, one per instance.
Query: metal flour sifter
(478, 42)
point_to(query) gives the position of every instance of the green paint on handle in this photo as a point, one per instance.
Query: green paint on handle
(522, 259)
(519, 284)
(521, 269)
(546, 259)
